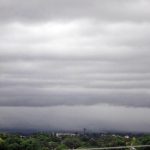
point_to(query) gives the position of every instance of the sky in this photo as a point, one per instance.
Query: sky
(74, 64)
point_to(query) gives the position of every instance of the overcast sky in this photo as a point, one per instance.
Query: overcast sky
(70, 64)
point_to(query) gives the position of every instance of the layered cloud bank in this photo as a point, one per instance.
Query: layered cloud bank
(94, 118)
(70, 55)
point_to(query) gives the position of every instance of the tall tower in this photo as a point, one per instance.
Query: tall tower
(84, 131)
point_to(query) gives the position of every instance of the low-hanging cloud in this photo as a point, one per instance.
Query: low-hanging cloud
(109, 118)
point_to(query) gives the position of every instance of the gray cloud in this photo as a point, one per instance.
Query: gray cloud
(90, 64)
(74, 55)
(35, 10)
(95, 118)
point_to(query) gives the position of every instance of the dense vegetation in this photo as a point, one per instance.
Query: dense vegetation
(48, 141)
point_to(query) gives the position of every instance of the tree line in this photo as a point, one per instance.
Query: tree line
(49, 141)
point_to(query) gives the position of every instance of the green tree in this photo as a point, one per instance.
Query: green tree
(2, 144)
(30, 144)
(72, 142)
(52, 145)
(14, 146)
(61, 147)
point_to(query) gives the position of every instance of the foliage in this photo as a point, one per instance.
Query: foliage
(48, 141)
(72, 142)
